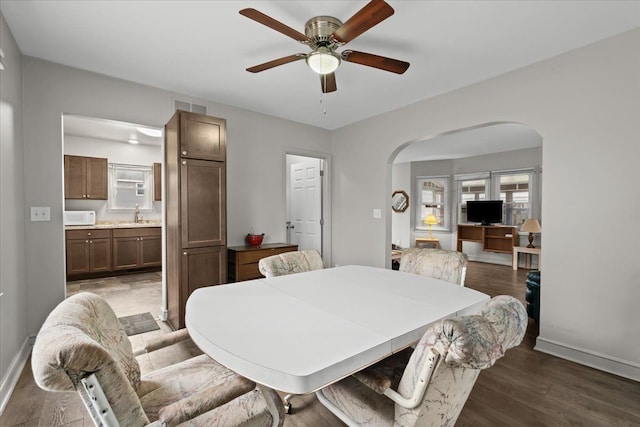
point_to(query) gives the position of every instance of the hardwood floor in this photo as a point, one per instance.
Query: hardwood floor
(524, 388)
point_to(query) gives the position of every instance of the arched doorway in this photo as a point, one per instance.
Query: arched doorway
(493, 155)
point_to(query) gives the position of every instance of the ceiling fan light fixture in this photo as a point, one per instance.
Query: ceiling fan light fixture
(323, 61)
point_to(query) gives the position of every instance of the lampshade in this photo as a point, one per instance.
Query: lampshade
(531, 226)
(431, 219)
(323, 61)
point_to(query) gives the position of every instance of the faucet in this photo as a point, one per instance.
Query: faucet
(137, 218)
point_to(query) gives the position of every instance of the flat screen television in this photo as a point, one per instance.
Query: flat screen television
(485, 212)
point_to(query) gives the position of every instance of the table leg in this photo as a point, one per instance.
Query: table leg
(275, 413)
(287, 403)
(514, 261)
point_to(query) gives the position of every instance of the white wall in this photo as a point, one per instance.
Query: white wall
(13, 302)
(585, 104)
(401, 221)
(114, 151)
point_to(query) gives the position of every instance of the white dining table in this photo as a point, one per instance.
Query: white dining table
(301, 332)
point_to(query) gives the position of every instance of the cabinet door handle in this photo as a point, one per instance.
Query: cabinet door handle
(86, 241)
(88, 233)
(184, 253)
(142, 238)
(184, 162)
(184, 152)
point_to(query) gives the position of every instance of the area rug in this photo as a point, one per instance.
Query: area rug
(139, 323)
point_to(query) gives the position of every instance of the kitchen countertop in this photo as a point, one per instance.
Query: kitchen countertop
(115, 224)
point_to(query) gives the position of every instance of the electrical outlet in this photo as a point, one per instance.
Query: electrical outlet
(40, 213)
(377, 213)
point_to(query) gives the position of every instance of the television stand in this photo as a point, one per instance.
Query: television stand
(494, 238)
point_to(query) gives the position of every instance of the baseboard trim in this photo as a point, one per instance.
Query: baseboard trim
(601, 362)
(15, 369)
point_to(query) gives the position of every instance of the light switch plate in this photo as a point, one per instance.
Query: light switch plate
(40, 213)
(377, 213)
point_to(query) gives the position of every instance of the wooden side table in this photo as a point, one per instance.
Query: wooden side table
(242, 261)
(528, 252)
(425, 242)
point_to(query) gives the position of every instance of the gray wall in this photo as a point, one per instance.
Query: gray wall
(585, 105)
(13, 302)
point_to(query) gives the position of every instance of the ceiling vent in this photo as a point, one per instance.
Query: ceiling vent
(188, 106)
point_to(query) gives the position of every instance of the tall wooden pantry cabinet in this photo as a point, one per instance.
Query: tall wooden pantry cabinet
(196, 229)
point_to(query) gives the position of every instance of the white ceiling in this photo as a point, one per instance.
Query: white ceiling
(202, 48)
(476, 141)
(109, 130)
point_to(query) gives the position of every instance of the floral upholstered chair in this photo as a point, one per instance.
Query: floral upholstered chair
(83, 347)
(290, 262)
(429, 386)
(450, 266)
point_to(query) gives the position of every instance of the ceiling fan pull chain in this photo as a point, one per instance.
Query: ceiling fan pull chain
(322, 100)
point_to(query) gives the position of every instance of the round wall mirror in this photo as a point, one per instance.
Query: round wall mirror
(399, 201)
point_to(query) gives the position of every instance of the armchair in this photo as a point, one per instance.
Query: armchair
(450, 266)
(429, 386)
(290, 262)
(83, 347)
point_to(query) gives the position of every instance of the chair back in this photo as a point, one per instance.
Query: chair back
(83, 336)
(464, 346)
(450, 266)
(290, 263)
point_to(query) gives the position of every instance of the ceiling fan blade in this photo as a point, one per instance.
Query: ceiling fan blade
(328, 82)
(275, 25)
(276, 62)
(375, 61)
(370, 15)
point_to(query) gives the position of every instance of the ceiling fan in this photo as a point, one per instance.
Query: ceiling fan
(325, 34)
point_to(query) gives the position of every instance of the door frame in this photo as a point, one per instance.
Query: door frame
(325, 198)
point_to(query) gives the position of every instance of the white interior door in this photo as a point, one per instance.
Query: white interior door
(306, 204)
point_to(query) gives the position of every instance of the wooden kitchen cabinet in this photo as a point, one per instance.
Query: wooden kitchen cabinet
(157, 182)
(137, 247)
(195, 206)
(88, 251)
(203, 203)
(202, 137)
(85, 178)
(199, 265)
(243, 260)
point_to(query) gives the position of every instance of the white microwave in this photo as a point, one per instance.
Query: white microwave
(79, 217)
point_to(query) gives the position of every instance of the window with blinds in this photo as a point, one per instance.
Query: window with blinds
(130, 186)
(433, 198)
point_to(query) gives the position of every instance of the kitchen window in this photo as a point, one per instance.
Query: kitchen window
(130, 186)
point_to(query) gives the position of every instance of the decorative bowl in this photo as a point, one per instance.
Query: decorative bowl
(254, 239)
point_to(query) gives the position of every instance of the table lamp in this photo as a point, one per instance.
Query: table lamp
(531, 226)
(430, 220)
